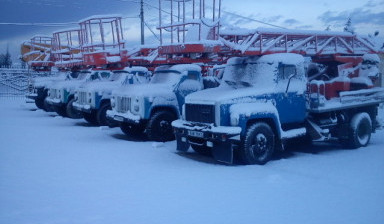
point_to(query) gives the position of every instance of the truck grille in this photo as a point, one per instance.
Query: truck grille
(82, 97)
(200, 113)
(123, 104)
(54, 93)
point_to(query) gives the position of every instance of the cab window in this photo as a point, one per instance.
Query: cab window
(286, 70)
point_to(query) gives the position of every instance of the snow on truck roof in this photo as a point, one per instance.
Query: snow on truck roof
(180, 68)
(285, 58)
(136, 69)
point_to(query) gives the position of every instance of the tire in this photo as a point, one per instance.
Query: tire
(90, 118)
(71, 112)
(202, 149)
(101, 115)
(258, 145)
(61, 111)
(47, 106)
(131, 129)
(39, 102)
(360, 130)
(159, 127)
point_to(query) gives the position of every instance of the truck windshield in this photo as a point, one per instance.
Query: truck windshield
(166, 77)
(82, 75)
(117, 75)
(241, 75)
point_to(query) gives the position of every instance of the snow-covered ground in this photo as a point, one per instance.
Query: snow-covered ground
(55, 170)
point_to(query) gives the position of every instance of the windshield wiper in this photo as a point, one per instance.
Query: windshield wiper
(236, 84)
(230, 83)
(246, 84)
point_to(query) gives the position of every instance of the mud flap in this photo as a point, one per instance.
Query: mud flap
(182, 146)
(223, 152)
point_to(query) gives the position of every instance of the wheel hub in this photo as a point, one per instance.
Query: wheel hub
(260, 145)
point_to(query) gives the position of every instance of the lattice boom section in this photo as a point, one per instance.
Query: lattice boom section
(308, 43)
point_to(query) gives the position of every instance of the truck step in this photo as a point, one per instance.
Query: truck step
(317, 133)
(293, 133)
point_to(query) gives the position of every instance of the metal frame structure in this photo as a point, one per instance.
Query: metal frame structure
(179, 49)
(100, 47)
(37, 53)
(190, 33)
(66, 49)
(312, 43)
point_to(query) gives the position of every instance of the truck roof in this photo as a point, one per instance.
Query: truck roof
(180, 68)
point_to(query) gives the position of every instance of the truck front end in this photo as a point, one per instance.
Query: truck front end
(204, 127)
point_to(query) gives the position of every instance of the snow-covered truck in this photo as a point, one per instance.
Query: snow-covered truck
(152, 107)
(93, 99)
(265, 101)
(38, 91)
(61, 94)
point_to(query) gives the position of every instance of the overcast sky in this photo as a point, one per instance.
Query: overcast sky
(367, 16)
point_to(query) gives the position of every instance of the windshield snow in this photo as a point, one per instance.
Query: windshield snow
(117, 75)
(249, 74)
(82, 75)
(166, 77)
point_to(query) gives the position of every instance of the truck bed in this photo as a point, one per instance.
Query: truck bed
(351, 99)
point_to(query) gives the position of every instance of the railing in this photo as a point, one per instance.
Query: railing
(14, 81)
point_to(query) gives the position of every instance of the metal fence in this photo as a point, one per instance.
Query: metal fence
(14, 81)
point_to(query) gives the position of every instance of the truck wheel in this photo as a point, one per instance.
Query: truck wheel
(102, 115)
(47, 106)
(39, 103)
(131, 129)
(61, 111)
(159, 127)
(90, 118)
(71, 112)
(360, 129)
(259, 144)
(202, 149)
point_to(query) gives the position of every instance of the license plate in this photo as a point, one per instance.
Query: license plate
(197, 134)
(118, 118)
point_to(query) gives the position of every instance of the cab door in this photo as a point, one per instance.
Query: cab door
(290, 95)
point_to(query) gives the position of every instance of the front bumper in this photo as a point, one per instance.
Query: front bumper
(54, 102)
(126, 117)
(82, 107)
(32, 96)
(222, 140)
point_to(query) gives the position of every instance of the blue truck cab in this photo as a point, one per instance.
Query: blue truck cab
(151, 108)
(61, 94)
(260, 102)
(93, 99)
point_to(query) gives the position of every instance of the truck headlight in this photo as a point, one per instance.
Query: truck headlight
(183, 112)
(136, 105)
(234, 120)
